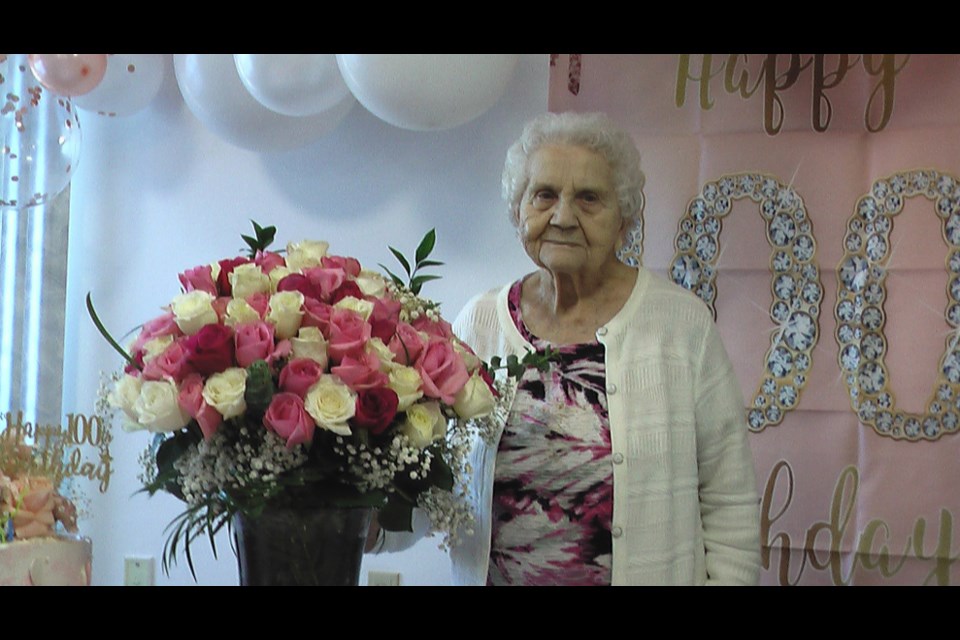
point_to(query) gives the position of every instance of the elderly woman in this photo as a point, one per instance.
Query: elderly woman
(627, 462)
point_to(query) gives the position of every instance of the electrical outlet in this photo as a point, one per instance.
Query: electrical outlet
(383, 579)
(138, 571)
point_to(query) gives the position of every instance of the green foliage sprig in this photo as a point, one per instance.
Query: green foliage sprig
(514, 366)
(416, 279)
(264, 238)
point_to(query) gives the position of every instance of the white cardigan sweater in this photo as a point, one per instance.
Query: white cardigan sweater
(685, 507)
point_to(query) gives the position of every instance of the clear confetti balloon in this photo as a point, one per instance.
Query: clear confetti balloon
(39, 137)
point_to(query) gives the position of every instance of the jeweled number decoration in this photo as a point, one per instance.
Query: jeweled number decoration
(860, 312)
(796, 287)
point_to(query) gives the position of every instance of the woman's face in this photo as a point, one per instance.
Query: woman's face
(569, 218)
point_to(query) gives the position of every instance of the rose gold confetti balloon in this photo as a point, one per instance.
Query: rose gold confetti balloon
(69, 74)
(39, 138)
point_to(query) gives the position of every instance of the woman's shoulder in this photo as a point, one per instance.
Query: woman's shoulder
(665, 299)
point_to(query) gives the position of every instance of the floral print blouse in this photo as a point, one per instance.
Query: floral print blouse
(553, 486)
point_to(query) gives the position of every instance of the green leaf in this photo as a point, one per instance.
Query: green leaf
(397, 514)
(396, 280)
(416, 283)
(429, 263)
(426, 245)
(401, 259)
(106, 334)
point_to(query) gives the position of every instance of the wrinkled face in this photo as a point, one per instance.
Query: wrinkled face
(569, 218)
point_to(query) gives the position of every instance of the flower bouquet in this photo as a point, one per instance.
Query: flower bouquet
(299, 379)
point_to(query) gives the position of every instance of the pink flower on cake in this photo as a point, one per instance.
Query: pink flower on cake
(34, 517)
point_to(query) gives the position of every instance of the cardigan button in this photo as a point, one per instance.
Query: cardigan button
(611, 389)
(616, 532)
(618, 458)
(602, 331)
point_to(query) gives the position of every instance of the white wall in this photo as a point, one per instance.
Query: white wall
(156, 193)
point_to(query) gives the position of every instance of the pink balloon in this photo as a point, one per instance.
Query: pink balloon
(69, 74)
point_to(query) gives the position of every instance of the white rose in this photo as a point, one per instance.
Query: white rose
(425, 423)
(302, 255)
(248, 279)
(278, 274)
(383, 353)
(157, 407)
(331, 404)
(406, 382)
(371, 283)
(224, 392)
(193, 310)
(310, 343)
(475, 399)
(214, 271)
(124, 395)
(362, 308)
(240, 312)
(153, 348)
(285, 313)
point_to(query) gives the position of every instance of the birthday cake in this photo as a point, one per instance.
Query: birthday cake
(38, 526)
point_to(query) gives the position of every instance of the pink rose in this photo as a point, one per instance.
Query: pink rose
(440, 328)
(220, 306)
(199, 279)
(268, 261)
(442, 370)
(260, 303)
(253, 341)
(299, 375)
(173, 363)
(317, 314)
(350, 265)
(348, 334)
(383, 321)
(287, 417)
(211, 349)
(406, 344)
(191, 401)
(360, 373)
(226, 268)
(297, 282)
(326, 280)
(34, 518)
(136, 368)
(376, 409)
(348, 289)
(164, 325)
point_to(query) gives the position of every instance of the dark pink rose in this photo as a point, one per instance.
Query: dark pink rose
(349, 334)
(211, 349)
(226, 268)
(268, 261)
(299, 375)
(406, 344)
(440, 328)
(326, 280)
(376, 409)
(350, 265)
(317, 314)
(383, 321)
(253, 341)
(160, 326)
(192, 402)
(360, 372)
(172, 363)
(442, 370)
(297, 282)
(348, 289)
(199, 279)
(260, 303)
(287, 417)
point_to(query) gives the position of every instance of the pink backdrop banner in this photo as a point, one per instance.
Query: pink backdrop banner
(859, 471)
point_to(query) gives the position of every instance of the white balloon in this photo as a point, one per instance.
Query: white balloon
(214, 93)
(39, 138)
(131, 83)
(293, 84)
(424, 91)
